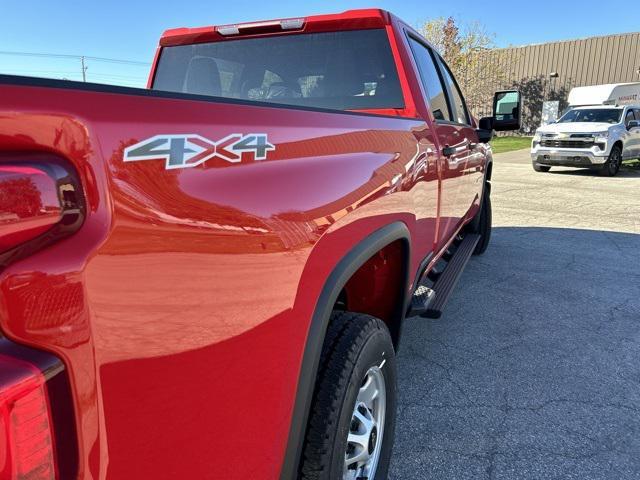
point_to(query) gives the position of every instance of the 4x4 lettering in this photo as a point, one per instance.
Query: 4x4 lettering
(185, 151)
(254, 143)
(172, 149)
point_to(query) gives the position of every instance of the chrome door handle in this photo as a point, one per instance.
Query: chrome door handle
(449, 151)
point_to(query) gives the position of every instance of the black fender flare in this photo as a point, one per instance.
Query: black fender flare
(488, 174)
(334, 284)
(474, 223)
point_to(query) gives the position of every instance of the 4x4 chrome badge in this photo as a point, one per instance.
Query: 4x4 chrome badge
(184, 151)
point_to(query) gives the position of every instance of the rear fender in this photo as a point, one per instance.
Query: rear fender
(333, 286)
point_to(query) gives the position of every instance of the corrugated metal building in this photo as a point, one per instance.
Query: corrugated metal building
(548, 71)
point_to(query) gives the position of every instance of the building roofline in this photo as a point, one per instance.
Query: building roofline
(569, 40)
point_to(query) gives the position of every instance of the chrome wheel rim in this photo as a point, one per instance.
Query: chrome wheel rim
(366, 432)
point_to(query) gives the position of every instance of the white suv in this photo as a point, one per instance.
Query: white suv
(597, 137)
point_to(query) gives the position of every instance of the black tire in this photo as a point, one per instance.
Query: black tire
(540, 168)
(355, 343)
(612, 165)
(482, 223)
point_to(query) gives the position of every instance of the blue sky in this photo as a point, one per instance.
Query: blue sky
(129, 30)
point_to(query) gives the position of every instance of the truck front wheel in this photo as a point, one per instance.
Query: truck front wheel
(612, 165)
(352, 417)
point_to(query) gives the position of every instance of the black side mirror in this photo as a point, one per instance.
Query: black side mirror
(485, 129)
(507, 108)
(633, 124)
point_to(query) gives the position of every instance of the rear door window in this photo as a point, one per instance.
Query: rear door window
(348, 70)
(461, 114)
(431, 82)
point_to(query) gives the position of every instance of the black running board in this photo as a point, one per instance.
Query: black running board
(449, 278)
(429, 301)
(421, 301)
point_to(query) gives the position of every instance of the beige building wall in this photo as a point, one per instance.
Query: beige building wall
(588, 61)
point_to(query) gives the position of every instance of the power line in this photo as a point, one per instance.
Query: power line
(84, 66)
(77, 57)
(114, 76)
(23, 70)
(75, 72)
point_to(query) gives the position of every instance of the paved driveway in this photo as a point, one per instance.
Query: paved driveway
(533, 371)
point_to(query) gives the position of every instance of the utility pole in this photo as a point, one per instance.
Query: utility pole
(84, 69)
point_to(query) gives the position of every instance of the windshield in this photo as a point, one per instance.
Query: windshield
(598, 115)
(347, 70)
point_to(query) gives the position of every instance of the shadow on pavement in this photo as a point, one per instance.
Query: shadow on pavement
(533, 370)
(625, 171)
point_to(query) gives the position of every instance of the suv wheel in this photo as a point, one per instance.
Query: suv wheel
(612, 165)
(540, 168)
(352, 417)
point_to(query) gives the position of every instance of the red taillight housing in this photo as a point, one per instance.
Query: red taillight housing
(24, 413)
(40, 202)
(27, 445)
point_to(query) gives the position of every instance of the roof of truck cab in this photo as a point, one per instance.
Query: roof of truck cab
(359, 19)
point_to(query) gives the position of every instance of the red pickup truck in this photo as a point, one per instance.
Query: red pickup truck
(208, 278)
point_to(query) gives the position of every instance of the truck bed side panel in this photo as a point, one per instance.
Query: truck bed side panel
(182, 306)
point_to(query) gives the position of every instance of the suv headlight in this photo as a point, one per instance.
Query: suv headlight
(601, 136)
(537, 137)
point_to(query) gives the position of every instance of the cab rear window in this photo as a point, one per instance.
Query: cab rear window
(350, 70)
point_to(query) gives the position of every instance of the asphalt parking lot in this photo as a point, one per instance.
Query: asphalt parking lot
(533, 371)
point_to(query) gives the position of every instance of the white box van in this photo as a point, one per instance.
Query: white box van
(599, 130)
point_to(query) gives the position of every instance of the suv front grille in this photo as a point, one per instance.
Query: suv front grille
(566, 143)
